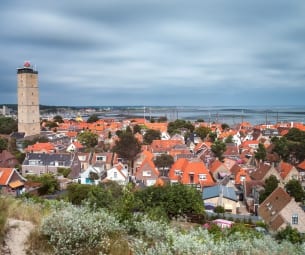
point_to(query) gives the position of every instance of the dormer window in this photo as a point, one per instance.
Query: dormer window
(202, 177)
(178, 172)
(294, 219)
(100, 158)
(146, 173)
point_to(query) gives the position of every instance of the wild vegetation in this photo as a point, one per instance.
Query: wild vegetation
(68, 229)
(113, 220)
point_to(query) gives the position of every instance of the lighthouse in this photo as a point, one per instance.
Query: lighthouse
(28, 100)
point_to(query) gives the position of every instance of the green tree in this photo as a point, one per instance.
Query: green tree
(151, 135)
(261, 153)
(224, 126)
(229, 139)
(271, 183)
(7, 125)
(93, 176)
(218, 148)
(64, 171)
(107, 195)
(175, 199)
(291, 147)
(127, 147)
(128, 130)
(200, 120)
(136, 129)
(202, 132)
(164, 161)
(92, 118)
(294, 188)
(290, 234)
(48, 181)
(3, 144)
(51, 124)
(212, 136)
(296, 135)
(178, 125)
(219, 209)
(88, 139)
(77, 193)
(58, 119)
(281, 147)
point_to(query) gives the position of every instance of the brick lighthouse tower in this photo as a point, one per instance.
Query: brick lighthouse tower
(28, 100)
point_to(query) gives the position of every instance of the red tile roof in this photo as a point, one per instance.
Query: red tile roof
(5, 174)
(190, 168)
(215, 165)
(40, 147)
(285, 169)
(164, 145)
(301, 165)
(242, 173)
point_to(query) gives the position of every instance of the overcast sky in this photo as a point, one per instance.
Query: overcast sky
(150, 52)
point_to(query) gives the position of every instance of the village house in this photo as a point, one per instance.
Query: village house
(11, 182)
(252, 190)
(264, 171)
(84, 159)
(219, 170)
(301, 169)
(280, 210)
(179, 151)
(220, 195)
(147, 173)
(41, 148)
(75, 146)
(104, 159)
(7, 159)
(159, 147)
(42, 163)
(92, 175)
(190, 172)
(118, 173)
(287, 172)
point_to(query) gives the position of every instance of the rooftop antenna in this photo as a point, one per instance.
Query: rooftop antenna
(266, 117)
(150, 114)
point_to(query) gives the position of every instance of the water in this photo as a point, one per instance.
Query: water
(223, 114)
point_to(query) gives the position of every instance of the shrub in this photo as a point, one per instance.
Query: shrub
(3, 216)
(77, 230)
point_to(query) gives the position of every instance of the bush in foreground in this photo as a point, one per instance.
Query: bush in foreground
(80, 230)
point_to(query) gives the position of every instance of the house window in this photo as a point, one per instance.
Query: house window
(177, 172)
(191, 178)
(115, 175)
(100, 158)
(202, 177)
(294, 219)
(146, 173)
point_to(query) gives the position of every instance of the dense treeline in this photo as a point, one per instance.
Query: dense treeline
(162, 202)
(291, 146)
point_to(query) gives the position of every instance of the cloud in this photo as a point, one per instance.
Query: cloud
(156, 52)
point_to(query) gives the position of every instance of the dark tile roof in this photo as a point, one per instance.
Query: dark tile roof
(260, 172)
(272, 206)
(46, 159)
